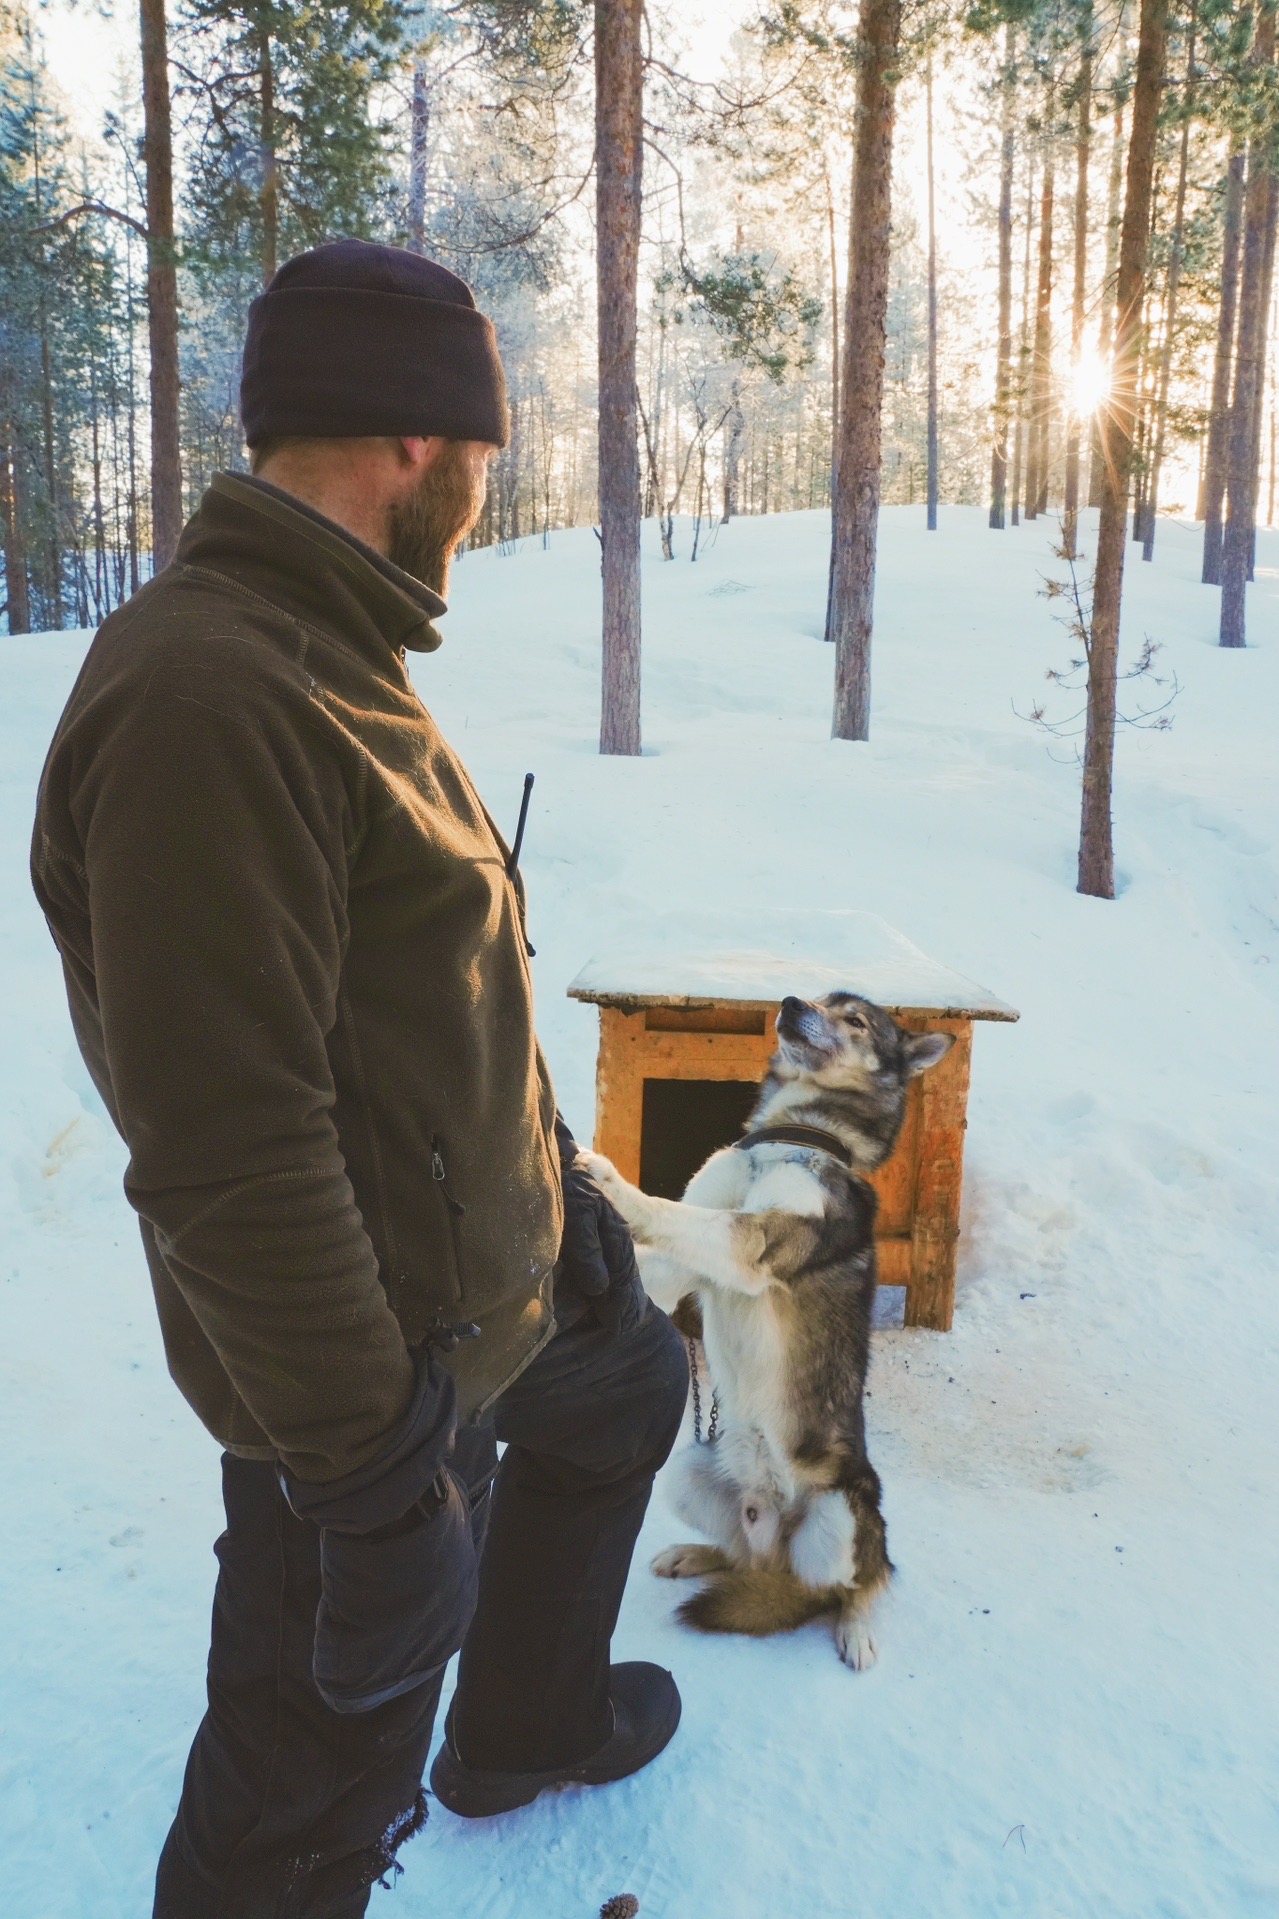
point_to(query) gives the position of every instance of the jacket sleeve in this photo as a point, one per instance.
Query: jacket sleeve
(216, 824)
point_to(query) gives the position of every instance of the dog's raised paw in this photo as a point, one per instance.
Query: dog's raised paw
(688, 1562)
(601, 1170)
(855, 1642)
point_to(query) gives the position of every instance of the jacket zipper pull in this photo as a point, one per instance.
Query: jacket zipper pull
(438, 1173)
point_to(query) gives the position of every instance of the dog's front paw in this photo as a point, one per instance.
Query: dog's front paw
(689, 1562)
(629, 1201)
(855, 1642)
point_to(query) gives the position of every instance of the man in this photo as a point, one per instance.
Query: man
(296, 964)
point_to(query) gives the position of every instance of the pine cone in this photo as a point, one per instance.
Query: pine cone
(623, 1906)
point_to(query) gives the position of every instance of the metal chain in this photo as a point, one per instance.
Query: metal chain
(713, 1425)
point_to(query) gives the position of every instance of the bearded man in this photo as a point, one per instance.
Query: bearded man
(295, 956)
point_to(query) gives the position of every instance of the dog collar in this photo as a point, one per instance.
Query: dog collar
(798, 1136)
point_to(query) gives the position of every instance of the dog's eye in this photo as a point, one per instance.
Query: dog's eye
(752, 1514)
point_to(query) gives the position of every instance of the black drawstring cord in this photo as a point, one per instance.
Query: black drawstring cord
(513, 858)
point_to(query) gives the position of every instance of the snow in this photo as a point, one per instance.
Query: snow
(1076, 1709)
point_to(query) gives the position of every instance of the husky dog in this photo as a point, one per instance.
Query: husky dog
(775, 1236)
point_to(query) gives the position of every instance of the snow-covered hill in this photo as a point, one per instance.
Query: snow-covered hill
(1076, 1710)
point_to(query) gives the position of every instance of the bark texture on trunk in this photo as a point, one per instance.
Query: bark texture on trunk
(162, 286)
(1023, 348)
(1096, 848)
(419, 156)
(1170, 304)
(619, 155)
(1107, 339)
(1215, 459)
(17, 590)
(1041, 370)
(855, 521)
(1260, 207)
(1004, 353)
(933, 481)
(736, 424)
(269, 175)
(1083, 148)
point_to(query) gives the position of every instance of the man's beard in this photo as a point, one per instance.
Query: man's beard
(426, 530)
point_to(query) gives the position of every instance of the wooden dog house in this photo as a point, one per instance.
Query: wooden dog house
(686, 1035)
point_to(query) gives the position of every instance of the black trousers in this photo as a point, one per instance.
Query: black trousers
(290, 1810)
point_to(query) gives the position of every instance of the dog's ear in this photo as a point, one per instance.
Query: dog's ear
(923, 1050)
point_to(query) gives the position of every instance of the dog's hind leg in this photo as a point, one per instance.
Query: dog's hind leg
(709, 1499)
(872, 1569)
(690, 1562)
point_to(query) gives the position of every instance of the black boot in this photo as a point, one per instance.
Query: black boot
(646, 1709)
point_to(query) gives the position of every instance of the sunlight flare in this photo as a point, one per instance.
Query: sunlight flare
(1090, 382)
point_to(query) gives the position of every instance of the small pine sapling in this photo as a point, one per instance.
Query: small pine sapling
(1074, 599)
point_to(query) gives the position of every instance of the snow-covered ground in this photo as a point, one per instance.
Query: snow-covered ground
(1076, 1709)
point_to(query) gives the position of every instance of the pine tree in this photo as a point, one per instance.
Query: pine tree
(1096, 842)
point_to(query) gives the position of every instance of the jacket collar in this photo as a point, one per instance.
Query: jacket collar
(280, 548)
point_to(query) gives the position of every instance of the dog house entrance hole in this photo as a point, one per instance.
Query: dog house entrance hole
(684, 1122)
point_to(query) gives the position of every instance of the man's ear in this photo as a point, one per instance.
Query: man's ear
(926, 1049)
(420, 452)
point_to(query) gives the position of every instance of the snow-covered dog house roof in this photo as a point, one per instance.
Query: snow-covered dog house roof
(686, 1033)
(757, 958)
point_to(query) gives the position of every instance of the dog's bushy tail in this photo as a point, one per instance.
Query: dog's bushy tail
(758, 1600)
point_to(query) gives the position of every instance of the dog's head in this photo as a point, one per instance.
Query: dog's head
(844, 1040)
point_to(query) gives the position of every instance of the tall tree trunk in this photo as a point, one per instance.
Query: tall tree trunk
(268, 160)
(855, 520)
(1096, 847)
(933, 477)
(736, 424)
(833, 249)
(11, 516)
(1004, 354)
(1106, 342)
(1250, 356)
(1218, 449)
(162, 287)
(619, 157)
(836, 432)
(419, 156)
(54, 554)
(1041, 369)
(1268, 271)
(1083, 147)
(1023, 347)
(1170, 305)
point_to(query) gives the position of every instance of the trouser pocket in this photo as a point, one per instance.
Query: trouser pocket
(395, 1608)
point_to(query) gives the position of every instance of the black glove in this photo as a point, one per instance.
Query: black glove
(398, 1565)
(597, 1268)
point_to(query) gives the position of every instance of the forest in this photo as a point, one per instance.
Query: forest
(1014, 252)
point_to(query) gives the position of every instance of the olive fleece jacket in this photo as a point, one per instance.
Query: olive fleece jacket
(297, 972)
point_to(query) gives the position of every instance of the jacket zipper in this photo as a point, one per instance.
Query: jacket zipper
(439, 1174)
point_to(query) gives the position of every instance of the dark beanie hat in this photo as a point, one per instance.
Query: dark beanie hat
(354, 339)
